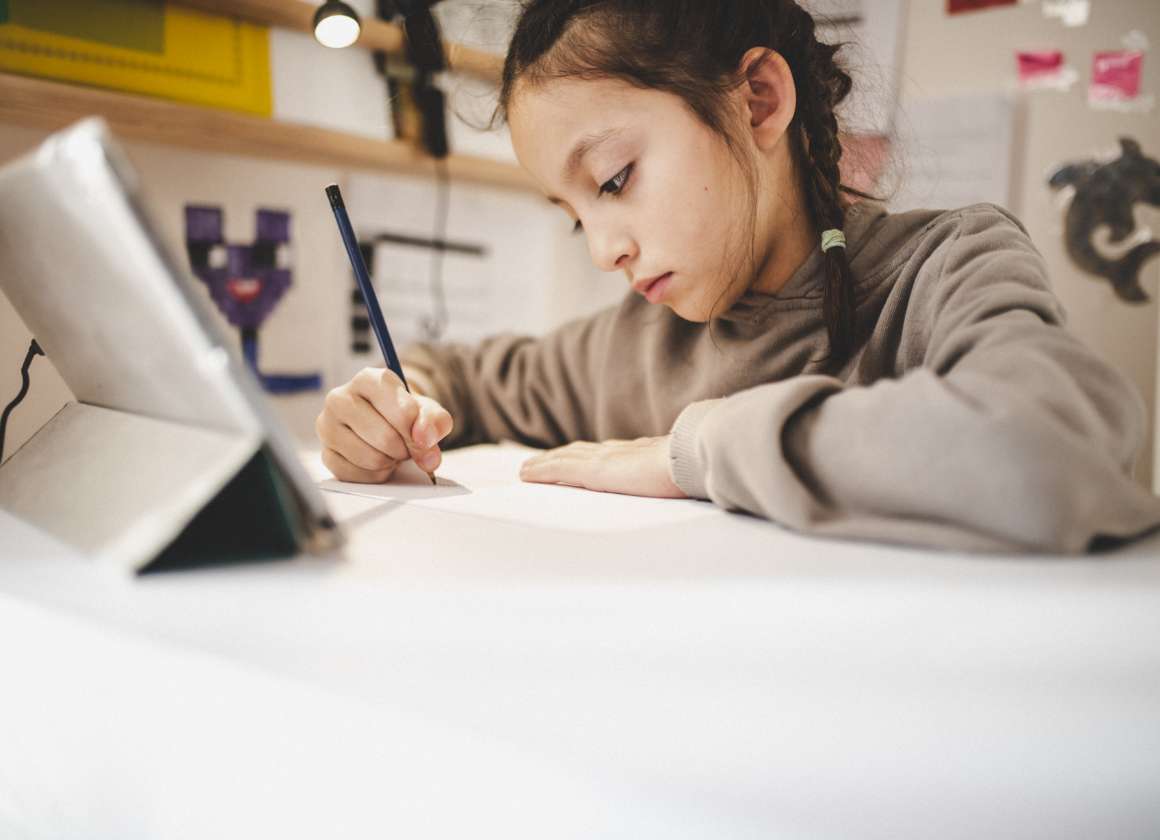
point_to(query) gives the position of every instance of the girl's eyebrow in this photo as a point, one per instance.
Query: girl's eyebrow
(583, 147)
(576, 157)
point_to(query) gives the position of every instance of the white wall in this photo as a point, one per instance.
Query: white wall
(975, 53)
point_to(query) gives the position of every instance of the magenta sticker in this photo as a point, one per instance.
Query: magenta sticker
(1116, 76)
(1035, 65)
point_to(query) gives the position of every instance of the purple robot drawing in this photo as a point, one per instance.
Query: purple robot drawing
(246, 282)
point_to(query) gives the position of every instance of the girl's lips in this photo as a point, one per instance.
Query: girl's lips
(656, 289)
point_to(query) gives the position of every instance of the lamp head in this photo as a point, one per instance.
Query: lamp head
(336, 24)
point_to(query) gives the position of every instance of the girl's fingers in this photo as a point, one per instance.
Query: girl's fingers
(432, 425)
(389, 398)
(429, 460)
(366, 422)
(344, 470)
(339, 437)
(377, 408)
(558, 467)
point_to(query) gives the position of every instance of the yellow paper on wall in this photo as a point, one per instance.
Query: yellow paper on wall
(140, 46)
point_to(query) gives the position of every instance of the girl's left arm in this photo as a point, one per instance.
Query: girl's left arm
(1011, 435)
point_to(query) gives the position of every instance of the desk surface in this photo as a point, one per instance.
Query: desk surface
(459, 676)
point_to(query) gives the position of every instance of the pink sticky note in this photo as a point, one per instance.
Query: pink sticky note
(1035, 65)
(1116, 75)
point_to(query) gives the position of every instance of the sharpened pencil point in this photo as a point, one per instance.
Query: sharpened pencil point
(431, 476)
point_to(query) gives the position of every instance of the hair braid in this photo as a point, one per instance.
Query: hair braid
(821, 86)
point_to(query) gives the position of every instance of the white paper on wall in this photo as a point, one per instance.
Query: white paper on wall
(955, 151)
(407, 292)
(505, 285)
(1069, 12)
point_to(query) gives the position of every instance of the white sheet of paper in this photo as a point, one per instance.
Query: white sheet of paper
(484, 481)
(956, 151)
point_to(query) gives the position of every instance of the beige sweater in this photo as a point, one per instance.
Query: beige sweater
(968, 419)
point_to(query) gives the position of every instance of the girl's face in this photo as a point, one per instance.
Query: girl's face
(656, 192)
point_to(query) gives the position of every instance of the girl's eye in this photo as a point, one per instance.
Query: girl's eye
(614, 187)
(616, 184)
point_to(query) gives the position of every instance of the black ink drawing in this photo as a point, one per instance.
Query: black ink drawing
(1105, 195)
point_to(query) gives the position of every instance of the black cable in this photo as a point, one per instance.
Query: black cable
(423, 46)
(436, 325)
(33, 351)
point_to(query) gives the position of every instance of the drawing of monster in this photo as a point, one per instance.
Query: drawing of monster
(246, 282)
(1105, 195)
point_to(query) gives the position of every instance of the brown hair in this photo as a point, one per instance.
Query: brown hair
(694, 49)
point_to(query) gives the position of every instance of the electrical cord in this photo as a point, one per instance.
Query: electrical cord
(33, 351)
(435, 325)
(423, 47)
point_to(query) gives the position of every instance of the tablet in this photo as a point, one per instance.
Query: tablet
(161, 391)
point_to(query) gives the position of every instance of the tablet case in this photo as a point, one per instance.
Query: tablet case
(170, 456)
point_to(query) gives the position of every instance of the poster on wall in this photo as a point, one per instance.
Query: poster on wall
(246, 281)
(1104, 197)
(153, 48)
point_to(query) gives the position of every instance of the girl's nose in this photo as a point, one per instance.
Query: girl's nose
(611, 250)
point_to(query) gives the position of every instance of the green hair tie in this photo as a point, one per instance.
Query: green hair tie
(833, 238)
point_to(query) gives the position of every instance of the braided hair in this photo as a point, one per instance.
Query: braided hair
(693, 49)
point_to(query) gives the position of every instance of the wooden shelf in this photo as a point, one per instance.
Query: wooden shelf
(374, 35)
(37, 103)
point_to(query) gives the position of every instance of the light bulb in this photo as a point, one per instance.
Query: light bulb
(336, 24)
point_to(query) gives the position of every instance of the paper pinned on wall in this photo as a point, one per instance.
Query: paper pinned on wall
(421, 302)
(1135, 40)
(1045, 70)
(1116, 75)
(955, 7)
(1115, 81)
(396, 225)
(956, 151)
(1069, 12)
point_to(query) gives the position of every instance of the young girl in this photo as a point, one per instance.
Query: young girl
(830, 366)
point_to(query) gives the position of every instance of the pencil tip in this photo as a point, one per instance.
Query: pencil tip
(431, 476)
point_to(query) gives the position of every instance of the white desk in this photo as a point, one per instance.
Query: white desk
(721, 678)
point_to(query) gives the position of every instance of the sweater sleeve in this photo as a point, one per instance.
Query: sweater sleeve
(537, 391)
(1010, 435)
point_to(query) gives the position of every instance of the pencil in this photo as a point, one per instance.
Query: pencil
(362, 277)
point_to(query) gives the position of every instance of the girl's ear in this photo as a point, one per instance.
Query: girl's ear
(770, 95)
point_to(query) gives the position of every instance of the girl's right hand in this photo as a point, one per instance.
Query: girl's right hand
(372, 424)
